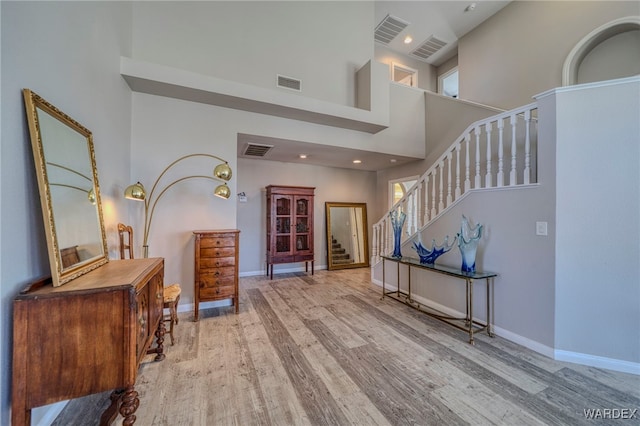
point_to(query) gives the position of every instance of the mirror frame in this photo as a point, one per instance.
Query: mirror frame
(365, 236)
(59, 274)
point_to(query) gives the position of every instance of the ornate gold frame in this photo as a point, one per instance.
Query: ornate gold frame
(61, 274)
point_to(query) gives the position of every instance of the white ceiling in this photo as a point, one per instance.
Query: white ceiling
(444, 20)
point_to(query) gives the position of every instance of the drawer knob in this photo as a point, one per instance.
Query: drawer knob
(217, 263)
(217, 273)
(218, 290)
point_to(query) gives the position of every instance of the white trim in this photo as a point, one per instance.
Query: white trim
(441, 78)
(593, 85)
(598, 361)
(401, 67)
(556, 354)
(591, 40)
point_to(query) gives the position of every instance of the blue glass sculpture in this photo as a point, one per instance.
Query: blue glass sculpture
(429, 256)
(397, 222)
(468, 239)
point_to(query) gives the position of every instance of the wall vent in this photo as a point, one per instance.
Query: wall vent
(289, 83)
(428, 48)
(256, 149)
(389, 28)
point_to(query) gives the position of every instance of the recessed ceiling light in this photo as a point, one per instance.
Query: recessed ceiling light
(393, 160)
(303, 156)
(357, 161)
(408, 39)
(471, 7)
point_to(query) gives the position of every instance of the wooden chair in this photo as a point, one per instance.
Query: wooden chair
(171, 293)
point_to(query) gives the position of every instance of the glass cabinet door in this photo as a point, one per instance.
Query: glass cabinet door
(302, 238)
(283, 224)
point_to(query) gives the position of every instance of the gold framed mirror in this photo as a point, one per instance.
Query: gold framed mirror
(347, 236)
(69, 191)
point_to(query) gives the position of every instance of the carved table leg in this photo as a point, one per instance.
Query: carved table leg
(130, 403)
(159, 349)
(111, 412)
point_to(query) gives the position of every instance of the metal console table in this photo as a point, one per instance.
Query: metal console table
(470, 325)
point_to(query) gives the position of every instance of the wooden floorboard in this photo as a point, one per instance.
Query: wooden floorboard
(324, 349)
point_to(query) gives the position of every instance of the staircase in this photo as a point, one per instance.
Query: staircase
(499, 151)
(339, 255)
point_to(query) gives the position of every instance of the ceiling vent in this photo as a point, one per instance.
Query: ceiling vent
(428, 48)
(256, 149)
(289, 83)
(389, 28)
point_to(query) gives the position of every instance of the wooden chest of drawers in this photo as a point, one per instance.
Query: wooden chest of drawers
(216, 267)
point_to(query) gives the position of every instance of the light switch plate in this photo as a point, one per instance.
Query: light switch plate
(541, 228)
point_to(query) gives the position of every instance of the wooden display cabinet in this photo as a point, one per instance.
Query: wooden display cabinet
(289, 226)
(87, 336)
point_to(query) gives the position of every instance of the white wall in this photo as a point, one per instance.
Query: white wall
(523, 48)
(427, 79)
(331, 184)
(321, 43)
(69, 54)
(598, 211)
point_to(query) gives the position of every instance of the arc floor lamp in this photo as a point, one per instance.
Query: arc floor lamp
(221, 173)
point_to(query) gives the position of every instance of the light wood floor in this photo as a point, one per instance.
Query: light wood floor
(325, 350)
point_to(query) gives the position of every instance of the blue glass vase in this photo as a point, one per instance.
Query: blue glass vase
(468, 239)
(428, 257)
(397, 222)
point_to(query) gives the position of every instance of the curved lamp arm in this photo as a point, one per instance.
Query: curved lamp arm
(147, 203)
(71, 170)
(177, 161)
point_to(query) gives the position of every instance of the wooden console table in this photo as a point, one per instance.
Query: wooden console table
(87, 336)
(470, 325)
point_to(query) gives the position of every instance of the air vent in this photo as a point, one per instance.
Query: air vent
(256, 149)
(289, 83)
(428, 48)
(389, 28)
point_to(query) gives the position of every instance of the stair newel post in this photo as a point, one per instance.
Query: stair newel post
(449, 198)
(434, 212)
(374, 245)
(457, 192)
(477, 183)
(441, 197)
(467, 179)
(488, 181)
(527, 147)
(500, 176)
(512, 175)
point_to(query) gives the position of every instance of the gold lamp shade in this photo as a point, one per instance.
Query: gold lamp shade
(222, 171)
(135, 192)
(222, 191)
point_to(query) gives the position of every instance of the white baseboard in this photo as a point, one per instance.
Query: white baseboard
(560, 355)
(598, 361)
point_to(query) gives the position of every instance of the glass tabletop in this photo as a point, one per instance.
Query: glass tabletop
(449, 270)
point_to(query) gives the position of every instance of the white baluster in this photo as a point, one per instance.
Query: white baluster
(426, 200)
(487, 177)
(500, 178)
(467, 179)
(477, 183)
(527, 147)
(434, 212)
(441, 198)
(449, 199)
(457, 193)
(419, 223)
(513, 174)
(374, 246)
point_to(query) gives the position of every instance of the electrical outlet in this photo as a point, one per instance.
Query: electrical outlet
(541, 228)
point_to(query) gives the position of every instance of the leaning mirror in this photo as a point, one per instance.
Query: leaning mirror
(347, 245)
(69, 191)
